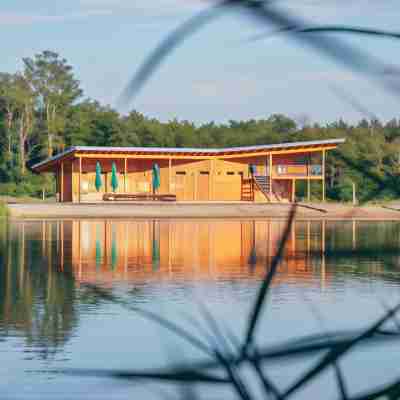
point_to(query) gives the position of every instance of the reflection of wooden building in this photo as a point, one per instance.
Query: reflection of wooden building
(140, 251)
(253, 173)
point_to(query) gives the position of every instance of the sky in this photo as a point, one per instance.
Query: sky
(219, 73)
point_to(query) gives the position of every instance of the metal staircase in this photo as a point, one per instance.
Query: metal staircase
(262, 184)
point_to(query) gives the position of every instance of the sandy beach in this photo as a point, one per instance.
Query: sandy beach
(201, 210)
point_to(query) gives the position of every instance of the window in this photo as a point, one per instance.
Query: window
(204, 173)
(281, 169)
(316, 170)
(230, 173)
(181, 172)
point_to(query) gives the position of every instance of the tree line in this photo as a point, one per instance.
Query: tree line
(43, 111)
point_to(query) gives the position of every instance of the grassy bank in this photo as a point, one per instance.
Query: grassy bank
(3, 209)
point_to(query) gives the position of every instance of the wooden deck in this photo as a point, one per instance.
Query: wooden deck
(210, 210)
(138, 197)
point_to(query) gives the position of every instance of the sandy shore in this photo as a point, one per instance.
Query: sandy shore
(201, 210)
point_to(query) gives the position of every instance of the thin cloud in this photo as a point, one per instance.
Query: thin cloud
(11, 18)
(146, 8)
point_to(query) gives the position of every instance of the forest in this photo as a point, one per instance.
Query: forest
(43, 111)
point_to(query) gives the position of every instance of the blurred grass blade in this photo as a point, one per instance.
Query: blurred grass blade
(266, 13)
(189, 376)
(235, 378)
(389, 392)
(350, 30)
(170, 43)
(338, 352)
(213, 324)
(331, 29)
(340, 381)
(269, 387)
(174, 328)
(353, 102)
(263, 291)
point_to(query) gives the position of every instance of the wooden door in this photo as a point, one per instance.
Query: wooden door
(190, 186)
(180, 185)
(203, 186)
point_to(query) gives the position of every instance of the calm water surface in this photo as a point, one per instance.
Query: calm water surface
(335, 275)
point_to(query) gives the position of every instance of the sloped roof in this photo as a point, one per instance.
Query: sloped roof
(183, 150)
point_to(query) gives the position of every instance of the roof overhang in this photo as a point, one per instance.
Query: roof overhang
(51, 163)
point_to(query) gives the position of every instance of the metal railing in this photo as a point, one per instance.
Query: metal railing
(297, 170)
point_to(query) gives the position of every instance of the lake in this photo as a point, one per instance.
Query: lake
(335, 275)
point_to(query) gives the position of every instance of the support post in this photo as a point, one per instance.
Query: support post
(125, 175)
(354, 194)
(79, 178)
(323, 175)
(62, 182)
(270, 176)
(294, 237)
(170, 175)
(72, 182)
(195, 184)
(211, 181)
(293, 190)
(308, 183)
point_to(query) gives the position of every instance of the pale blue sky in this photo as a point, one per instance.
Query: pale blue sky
(216, 75)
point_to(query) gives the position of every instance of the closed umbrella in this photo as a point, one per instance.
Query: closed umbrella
(98, 183)
(156, 177)
(114, 177)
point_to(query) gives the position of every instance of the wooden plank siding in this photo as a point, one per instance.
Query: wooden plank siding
(189, 179)
(222, 175)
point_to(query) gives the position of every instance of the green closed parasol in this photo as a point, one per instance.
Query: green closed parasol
(114, 177)
(98, 182)
(156, 177)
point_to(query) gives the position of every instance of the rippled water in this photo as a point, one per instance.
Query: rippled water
(335, 275)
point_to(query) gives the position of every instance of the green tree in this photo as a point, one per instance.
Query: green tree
(8, 106)
(53, 81)
(25, 99)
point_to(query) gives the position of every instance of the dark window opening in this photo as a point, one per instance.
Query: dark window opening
(204, 173)
(181, 172)
(230, 173)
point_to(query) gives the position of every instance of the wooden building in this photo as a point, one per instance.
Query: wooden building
(253, 173)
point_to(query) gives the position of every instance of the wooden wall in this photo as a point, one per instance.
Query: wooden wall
(189, 179)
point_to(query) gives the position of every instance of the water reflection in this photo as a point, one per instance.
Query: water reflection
(44, 265)
(140, 251)
(35, 299)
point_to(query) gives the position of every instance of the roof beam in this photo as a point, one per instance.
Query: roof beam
(274, 152)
